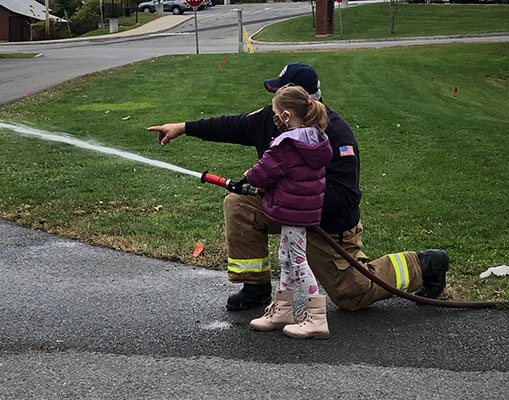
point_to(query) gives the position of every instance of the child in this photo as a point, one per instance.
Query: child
(292, 175)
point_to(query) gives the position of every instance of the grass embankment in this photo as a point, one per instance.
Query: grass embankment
(434, 163)
(18, 55)
(373, 21)
(125, 24)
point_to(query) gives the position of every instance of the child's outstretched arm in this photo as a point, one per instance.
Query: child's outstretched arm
(270, 169)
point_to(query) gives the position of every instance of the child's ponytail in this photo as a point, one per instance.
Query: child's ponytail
(316, 115)
(312, 113)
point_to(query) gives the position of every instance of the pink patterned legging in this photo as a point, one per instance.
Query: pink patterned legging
(294, 264)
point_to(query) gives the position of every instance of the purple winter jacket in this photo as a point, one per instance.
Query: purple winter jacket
(292, 174)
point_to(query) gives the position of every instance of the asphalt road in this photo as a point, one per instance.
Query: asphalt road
(85, 322)
(80, 321)
(218, 33)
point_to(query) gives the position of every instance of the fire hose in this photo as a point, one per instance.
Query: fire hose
(243, 188)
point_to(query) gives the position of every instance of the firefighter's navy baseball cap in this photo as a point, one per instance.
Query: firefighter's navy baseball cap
(298, 74)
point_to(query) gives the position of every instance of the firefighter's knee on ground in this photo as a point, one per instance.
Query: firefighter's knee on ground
(347, 288)
(348, 304)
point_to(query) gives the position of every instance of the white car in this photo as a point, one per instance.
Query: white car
(176, 7)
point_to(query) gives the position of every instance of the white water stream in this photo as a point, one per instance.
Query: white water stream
(64, 138)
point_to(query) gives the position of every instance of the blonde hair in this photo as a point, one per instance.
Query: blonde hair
(296, 99)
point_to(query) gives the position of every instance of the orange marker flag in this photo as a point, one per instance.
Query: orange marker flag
(219, 67)
(455, 89)
(223, 60)
(198, 249)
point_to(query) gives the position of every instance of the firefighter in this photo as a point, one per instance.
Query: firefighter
(247, 229)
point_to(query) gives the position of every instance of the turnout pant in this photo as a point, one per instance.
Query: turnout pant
(247, 230)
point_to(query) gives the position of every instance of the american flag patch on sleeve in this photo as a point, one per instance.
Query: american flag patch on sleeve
(346, 151)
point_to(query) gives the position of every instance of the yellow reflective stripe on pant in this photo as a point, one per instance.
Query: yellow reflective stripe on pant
(401, 269)
(245, 266)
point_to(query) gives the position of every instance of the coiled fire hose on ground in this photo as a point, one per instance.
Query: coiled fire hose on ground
(243, 188)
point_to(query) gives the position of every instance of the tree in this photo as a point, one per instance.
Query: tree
(394, 6)
(60, 7)
(87, 17)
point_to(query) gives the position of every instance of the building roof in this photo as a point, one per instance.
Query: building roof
(28, 8)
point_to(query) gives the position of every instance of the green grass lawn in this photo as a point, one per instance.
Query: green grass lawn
(434, 162)
(373, 21)
(125, 24)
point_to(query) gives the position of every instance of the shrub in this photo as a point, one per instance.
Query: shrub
(57, 30)
(86, 18)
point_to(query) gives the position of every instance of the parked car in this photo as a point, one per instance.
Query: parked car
(479, 1)
(174, 6)
(461, 1)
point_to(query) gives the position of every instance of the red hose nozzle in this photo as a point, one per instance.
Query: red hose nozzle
(239, 187)
(216, 180)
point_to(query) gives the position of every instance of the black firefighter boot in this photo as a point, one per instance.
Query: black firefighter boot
(250, 295)
(434, 265)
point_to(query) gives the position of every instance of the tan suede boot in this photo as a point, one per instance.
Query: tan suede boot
(312, 320)
(278, 314)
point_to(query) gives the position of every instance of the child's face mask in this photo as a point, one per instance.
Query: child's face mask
(281, 122)
(280, 125)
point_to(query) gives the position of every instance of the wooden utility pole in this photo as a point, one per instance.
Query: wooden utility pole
(101, 6)
(46, 3)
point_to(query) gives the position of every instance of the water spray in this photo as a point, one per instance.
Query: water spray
(64, 138)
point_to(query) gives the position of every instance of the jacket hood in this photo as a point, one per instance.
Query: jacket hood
(312, 144)
(315, 155)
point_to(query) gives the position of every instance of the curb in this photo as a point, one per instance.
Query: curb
(393, 39)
